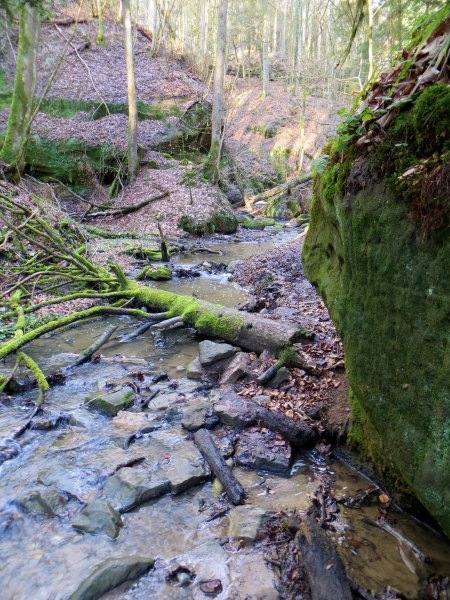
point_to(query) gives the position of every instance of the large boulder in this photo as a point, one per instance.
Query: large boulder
(378, 249)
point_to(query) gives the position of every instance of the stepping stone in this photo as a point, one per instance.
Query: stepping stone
(195, 415)
(111, 403)
(211, 352)
(195, 370)
(98, 517)
(245, 522)
(131, 487)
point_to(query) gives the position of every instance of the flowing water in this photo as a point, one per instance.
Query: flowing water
(43, 557)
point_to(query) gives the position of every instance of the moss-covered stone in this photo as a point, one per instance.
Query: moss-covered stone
(71, 160)
(218, 222)
(248, 223)
(155, 274)
(387, 289)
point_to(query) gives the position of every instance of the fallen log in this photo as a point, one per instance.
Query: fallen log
(297, 432)
(321, 563)
(278, 190)
(88, 352)
(249, 331)
(125, 210)
(205, 443)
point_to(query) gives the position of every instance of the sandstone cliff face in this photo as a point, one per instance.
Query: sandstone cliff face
(378, 249)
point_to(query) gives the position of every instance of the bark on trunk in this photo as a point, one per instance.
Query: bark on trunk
(100, 37)
(265, 52)
(18, 127)
(219, 73)
(133, 162)
(205, 443)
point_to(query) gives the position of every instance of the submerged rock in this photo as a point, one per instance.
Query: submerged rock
(245, 522)
(110, 403)
(211, 352)
(131, 487)
(98, 517)
(44, 501)
(110, 574)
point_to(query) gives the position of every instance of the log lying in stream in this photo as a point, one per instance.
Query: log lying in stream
(205, 443)
(278, 190)
(249, 331)
(321, 563)
(297, 432)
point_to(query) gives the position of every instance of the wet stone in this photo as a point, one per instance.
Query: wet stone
(110, 574)
(111, 403)
(131, 487)
(185, 469)
(164, 401)
(195, 370)
(45, 501)
(195, 414)
(245, 522)
(265, 451)
(237, 369)
(47, 420)
(211, 352)
(98, 517)
(64, 479)
(126, 422)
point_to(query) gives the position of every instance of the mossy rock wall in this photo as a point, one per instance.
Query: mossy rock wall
(387, 289)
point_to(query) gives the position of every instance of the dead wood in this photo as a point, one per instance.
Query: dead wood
(205, 443)
(284, 188)
(321, 563)
(297, 432)
(125, 210)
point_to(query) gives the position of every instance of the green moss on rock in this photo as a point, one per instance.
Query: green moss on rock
(378, 249)
(217, 222)
(248, 223)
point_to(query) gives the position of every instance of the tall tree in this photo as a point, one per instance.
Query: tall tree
(265, 50)
(218, 98)
(19, 119)
(100, 37)
(133, 163)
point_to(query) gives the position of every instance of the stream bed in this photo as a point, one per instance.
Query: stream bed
(177, 540)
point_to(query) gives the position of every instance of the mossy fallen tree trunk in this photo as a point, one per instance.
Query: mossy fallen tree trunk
(278, 190)
(248, 331)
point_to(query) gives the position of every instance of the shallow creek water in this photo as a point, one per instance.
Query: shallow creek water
(45, 558)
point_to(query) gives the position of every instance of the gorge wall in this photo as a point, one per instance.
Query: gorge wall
(378, 250)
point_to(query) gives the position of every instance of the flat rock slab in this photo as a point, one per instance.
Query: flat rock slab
(110, 574)
(98, 517)
(72, 481)
(162, 402)
(131, 487)
(238, 368)
(211, 352)
(245, 522)
(111, 403)
(132, 423)
(185, 469)
(265, 451)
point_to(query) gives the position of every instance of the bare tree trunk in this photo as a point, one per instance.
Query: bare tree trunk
(133, 163)
(202, 29)
(155, 27)
(370, 37)
(100, 37)
(283, 31)
(218, 100)
(265, 52)
(275, 31)
(18, 127)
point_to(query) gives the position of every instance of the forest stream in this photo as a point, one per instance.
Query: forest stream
(201, 546)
